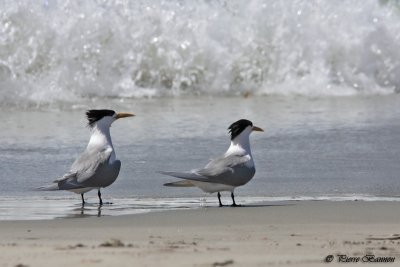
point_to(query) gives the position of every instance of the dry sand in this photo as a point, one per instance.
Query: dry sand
(275, 234)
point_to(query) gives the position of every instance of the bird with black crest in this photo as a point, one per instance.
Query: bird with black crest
(234, 168)
(97, 167)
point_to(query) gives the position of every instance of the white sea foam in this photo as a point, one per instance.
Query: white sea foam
(67, 51)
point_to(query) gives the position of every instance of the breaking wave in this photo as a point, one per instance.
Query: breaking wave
(72, 50)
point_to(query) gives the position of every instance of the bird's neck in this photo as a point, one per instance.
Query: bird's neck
(101, 139)
(239, 146)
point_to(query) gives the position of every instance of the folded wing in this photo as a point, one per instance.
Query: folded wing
(82, 170)
(223, 170)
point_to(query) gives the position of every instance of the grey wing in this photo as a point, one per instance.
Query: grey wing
(82, 169)
(223, 165)
(88, 163)
(223, 170)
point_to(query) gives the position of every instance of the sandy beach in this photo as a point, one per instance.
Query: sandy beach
(293, 233)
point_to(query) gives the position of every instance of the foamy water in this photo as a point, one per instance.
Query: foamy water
(67, 51)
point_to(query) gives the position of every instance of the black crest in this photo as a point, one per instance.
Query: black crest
(237, 127)
(94, 115)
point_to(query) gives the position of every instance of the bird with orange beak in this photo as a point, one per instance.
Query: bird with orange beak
(97, 167)
(234, 168)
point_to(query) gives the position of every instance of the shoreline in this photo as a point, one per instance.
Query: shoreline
(298, 233)
(50, 208)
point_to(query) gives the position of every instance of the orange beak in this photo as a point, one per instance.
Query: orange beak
(124, 115)
(257, 129)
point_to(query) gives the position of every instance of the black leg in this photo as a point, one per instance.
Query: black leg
(219, 199)
(101, 201)
(83, 200)
(233, 200)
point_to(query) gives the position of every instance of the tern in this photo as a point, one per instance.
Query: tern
(234, 168)
(97, 167)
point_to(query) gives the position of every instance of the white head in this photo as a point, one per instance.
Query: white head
(100, 121)
(242, 129)
(240, 132)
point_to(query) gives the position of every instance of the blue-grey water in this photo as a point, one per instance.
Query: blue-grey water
(322, 79)
(335, 148)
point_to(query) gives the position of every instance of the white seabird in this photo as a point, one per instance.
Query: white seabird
(97, 167)
(234, 168)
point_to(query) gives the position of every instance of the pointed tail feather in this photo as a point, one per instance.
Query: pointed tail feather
(185, 183)
(184, 175)
(49, 187)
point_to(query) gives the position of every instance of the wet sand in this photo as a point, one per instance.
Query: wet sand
(297, 233)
